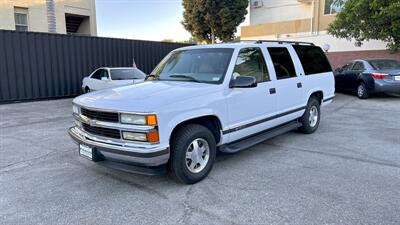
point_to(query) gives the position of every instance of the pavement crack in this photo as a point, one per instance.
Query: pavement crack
(50, 120)
(27, 162)
(339, 156)
(189, 210)
(136, 185)
(233, 186)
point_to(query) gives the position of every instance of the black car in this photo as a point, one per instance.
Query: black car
(370, 76)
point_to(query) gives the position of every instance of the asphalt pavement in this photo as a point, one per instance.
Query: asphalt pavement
(348, 172)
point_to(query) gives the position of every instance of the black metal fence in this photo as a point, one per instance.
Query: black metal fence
(42, 65)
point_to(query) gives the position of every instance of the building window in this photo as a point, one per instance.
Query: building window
(333, 6)
(21, 19)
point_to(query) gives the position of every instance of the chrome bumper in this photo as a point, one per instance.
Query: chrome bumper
(122, 152)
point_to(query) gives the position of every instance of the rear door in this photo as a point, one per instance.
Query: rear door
(289, 89)
(350, 77)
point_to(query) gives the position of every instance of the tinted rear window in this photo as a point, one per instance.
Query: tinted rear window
(385, 64)
(313, 59)
(127, 74)
(283, 64)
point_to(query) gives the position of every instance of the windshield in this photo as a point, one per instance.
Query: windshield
(385, 64)
(196, 65)
(127, 74)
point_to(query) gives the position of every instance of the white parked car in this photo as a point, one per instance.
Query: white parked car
(204, 99)
(108, 77)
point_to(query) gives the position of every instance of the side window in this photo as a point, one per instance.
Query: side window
(250, 62)
(313, 59)
(347, 66)
(358, 66)
(97, 74)
(105, 74)
(283, 64)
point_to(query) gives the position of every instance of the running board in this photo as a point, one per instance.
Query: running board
(258, 138)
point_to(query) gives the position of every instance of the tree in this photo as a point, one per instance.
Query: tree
(168, 40)
(364, 20)
(208, 20)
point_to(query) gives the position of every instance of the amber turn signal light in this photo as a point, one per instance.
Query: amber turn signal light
(153, 137)
(151, 120)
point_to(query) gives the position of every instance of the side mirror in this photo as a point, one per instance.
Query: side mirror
(243, 82)
(104, 78)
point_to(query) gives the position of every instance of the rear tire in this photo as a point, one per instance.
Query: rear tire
(87, 89)
(193, 153)
(362, 92)
(311, 118)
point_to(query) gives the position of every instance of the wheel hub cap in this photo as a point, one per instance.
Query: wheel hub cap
(360, 90)
(313, 118)
(197, 155)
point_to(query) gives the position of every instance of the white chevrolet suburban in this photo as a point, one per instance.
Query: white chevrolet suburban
(204, 99)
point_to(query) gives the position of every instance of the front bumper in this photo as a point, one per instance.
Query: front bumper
(150, 160)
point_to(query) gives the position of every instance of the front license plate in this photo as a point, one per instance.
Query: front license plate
(85, 151)
(397, 78)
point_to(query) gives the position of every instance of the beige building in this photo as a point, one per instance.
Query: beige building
(306, 20)
(56, 16)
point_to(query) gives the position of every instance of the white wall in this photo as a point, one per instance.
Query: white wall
(336, 44)
(279, 10)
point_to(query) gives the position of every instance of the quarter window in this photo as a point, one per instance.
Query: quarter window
(21, 19)
(313, 59)
(283, 64)
(250, 62)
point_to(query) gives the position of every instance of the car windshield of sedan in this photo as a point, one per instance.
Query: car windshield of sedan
(127, 74)
(385, 64)
(196, 65)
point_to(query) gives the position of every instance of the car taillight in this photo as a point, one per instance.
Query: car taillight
(379, 75)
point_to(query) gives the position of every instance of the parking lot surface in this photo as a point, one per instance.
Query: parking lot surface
(348, 172)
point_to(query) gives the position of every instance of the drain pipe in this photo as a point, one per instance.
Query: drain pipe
(51, 16)
(312, 17)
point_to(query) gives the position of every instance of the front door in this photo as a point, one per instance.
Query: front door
(249, 108)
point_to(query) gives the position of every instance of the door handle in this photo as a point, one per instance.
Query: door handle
(272, 91)
(299, 85)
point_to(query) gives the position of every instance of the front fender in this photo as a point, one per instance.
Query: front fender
(178, 119)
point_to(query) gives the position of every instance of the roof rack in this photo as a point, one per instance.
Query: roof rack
(281, 42)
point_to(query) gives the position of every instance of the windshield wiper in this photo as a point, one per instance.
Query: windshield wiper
(184, 76)
(151, 75)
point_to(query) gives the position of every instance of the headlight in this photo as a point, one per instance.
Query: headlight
(134, 136)
(150, 120)
(151, 137)
(75, 109)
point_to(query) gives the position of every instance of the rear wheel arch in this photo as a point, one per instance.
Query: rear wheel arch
(319, 95)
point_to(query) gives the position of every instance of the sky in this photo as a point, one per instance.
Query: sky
(141, 19)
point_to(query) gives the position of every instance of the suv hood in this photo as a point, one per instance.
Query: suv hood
(146, 96)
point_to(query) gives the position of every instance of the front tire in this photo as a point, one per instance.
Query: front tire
(362, 92)
(193, 153)
(311, 118)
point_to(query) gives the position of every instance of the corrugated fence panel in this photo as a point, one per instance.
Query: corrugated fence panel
(42, 65)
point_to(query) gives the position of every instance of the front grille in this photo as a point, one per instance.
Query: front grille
(102, 116)
(105, 132)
